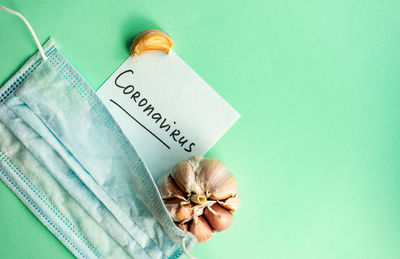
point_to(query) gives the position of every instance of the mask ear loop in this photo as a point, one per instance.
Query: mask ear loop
(29, 28)
(185, 251)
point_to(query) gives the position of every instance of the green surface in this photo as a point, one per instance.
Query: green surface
(317, 150)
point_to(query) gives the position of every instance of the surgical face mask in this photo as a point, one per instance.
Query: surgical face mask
(65, 157)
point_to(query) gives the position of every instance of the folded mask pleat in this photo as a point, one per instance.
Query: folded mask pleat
(101, 164)
(48, 200)
(135, 236)
(61, 172)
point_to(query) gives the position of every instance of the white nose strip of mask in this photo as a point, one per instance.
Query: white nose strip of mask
(65, 157)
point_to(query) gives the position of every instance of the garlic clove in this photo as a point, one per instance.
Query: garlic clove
(179, 210)
(151, 40)
(195, 213)
(168, 189)
(184, 212)
(216, 180)
(201, 229)
(231, 203)
(185, 177)
(219, 218)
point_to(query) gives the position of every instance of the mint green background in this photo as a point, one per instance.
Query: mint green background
(317, 150)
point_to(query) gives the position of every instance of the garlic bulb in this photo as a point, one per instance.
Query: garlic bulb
(200, 196)
(151, 40)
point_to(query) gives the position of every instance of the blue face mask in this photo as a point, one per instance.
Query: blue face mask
(64, 156)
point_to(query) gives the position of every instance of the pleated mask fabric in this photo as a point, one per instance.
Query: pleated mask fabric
(68, 161)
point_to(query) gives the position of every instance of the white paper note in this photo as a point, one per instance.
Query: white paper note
(165, 109)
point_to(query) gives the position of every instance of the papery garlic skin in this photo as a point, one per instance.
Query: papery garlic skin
(168, 189)
(200, 188)
(216, 180)
(185, 177)
(151, 40)
(231, 203)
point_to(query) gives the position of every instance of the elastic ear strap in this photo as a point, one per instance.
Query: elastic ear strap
(185, 251)
(29, 28)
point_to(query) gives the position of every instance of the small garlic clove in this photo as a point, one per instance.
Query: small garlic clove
(184, 212)
(195, 213)
(178, 209)
(168, 189)
(151, 40)
(185, 177)
(231, 203)
(201, 229)
(216, 180)
(219, 219)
